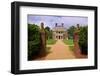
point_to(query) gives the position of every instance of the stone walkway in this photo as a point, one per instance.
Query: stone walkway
(60, 51)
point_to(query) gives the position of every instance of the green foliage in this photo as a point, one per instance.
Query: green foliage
(47, 28)
(71, 32)
(83, 39)
(33, 49)
(51, 41)
(33, 40)
(33, 32)
(48, 32)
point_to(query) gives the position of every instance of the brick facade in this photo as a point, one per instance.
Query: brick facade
(59, 32)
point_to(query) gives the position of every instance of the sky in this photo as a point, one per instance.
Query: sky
(51, 20)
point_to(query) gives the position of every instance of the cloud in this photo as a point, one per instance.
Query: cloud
(51, 20)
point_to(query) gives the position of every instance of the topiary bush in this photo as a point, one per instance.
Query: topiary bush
(33, 41)
(83, 40)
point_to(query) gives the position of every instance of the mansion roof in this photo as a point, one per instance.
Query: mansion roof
(59, 28)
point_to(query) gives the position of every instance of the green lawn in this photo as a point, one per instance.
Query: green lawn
(51, 41)
(69, 43)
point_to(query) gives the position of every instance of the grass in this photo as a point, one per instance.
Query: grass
(69, 43)
(51, 41)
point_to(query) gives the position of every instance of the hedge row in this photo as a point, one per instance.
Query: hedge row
(33, 41)
(83, 39)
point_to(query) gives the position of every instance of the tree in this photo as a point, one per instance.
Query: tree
(71, 32)
(83, 39)
(33, 40)
(48, 32)
(47, 28)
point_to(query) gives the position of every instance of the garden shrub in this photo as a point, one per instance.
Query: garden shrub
(83, 40)
(33, 41)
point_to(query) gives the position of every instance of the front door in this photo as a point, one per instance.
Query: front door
(59, 37)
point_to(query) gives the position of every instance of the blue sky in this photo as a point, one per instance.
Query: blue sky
(51, 20)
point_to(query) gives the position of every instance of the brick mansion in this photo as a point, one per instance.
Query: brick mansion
(59, 32)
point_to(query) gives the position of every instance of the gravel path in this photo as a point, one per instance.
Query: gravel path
(60, 51)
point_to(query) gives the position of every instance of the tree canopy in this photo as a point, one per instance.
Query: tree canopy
(48, 32)
(71, 32)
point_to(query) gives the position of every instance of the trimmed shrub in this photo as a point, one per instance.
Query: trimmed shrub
(33, 41)
(83, 40)
(33, 49)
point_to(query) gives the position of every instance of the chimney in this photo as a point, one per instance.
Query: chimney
(55, 24)
(62, 24)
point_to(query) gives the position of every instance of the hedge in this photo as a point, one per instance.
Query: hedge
(83, 39)
(33, 41)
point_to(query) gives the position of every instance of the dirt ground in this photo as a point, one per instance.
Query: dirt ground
(59, 51)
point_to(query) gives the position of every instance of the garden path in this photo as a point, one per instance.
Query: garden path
(60, 51)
